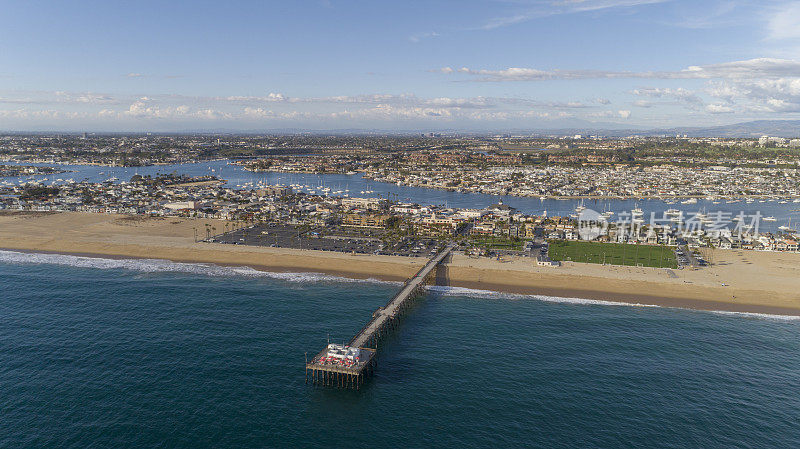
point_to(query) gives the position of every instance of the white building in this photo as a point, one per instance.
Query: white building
(181, 205)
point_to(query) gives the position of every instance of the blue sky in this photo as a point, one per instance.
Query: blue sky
(336, 64)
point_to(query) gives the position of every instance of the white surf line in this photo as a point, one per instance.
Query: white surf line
(167, 266)
(476, 293)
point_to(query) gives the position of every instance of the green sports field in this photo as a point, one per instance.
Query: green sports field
(490, 242)
(613, 253)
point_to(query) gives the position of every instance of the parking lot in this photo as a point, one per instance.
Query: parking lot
(411, 246)
(687, 258)
(348, 240)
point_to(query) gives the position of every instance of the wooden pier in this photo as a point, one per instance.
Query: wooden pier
(351, 372)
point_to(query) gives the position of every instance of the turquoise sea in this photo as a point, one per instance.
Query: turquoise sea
(139, 353)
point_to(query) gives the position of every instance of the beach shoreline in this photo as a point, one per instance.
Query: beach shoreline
(762, 283)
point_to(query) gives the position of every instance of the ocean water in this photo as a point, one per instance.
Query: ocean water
(124, 353)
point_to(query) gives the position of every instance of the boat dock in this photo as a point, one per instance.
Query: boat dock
(347, 366)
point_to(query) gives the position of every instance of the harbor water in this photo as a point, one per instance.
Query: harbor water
(356, 186)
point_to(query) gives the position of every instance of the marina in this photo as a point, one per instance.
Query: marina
(352, 184)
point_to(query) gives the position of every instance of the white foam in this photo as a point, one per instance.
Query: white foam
(763, 316)
(476, 293)
(161, 265)
(462, 291)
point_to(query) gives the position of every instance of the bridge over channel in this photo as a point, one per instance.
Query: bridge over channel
(347, 366)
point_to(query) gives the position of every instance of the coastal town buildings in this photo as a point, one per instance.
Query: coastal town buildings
(495, 229)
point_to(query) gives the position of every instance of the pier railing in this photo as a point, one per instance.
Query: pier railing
(383, 320)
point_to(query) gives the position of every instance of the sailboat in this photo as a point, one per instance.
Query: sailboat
(607, 212)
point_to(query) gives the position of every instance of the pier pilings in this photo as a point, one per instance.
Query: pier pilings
(384, 320)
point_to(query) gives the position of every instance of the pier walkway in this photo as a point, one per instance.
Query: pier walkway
(392, 309)
(347, 366)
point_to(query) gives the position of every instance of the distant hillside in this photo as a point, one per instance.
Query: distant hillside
(778, 128)
(564, 127)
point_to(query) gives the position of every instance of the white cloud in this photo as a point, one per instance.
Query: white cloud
(48, 114)
(680, 94)
(402, 99)
(750, 97)
(539, 9)
(94, 98)
(716, 108)
(87, 98)
(280, 106)
(784, 22)
(745, 69)
(499, 22)
(421, 36)
(57, 97)
(134, 75)
(272, 97)
(144, 109)
(723, 90)
(107, 114)
(712, 14)
(388, 113)
(471, 103)
(623, 114)
(23, 100)
(763, 96)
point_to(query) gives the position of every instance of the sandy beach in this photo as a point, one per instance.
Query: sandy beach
(739, 281)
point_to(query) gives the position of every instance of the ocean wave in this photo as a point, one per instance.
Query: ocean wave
(765, 316)
(167, 266)
(462, 291)
(488, 294)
